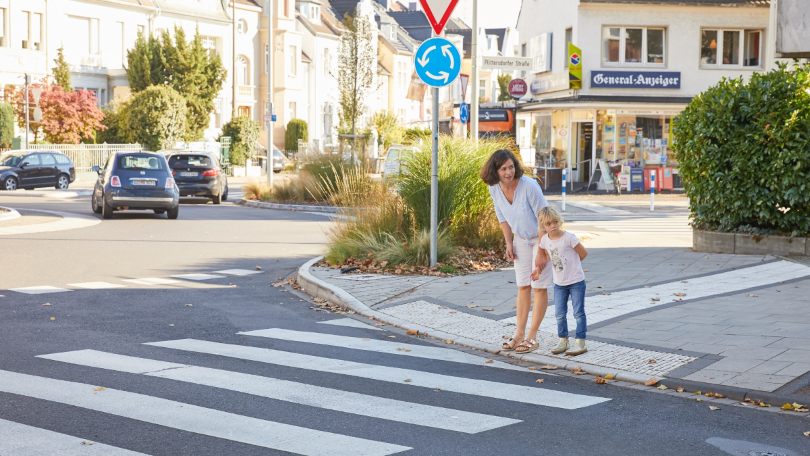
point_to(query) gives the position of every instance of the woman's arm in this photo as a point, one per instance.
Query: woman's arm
(507, 236)
(580, 249)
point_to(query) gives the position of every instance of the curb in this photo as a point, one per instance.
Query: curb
(318, 288)
(291, 207)
(10, 215)
(51, 194)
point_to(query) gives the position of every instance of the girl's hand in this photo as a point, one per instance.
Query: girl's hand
(510, 252)
(536, 274)
(540, 260)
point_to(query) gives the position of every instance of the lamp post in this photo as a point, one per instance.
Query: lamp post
(270, 170)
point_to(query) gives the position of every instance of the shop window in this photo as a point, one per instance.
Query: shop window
(730, 48)
(634, 46)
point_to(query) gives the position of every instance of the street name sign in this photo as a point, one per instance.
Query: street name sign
(438, 12)
(506, 63)
(437, 62)
(464, 113)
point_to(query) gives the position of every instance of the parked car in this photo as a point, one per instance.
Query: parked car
(280, 162)
(32, 169)
(393, 160)
(199, 174)
(136, 181)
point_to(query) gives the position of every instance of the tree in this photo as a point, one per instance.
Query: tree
(356, 63)
(67, 117)
(244, 132)
(388, 128)
(503, 83)
(156, 118)
(114, 119)
(184, 65)
(6, 125)
(61, 72)
(296, 129)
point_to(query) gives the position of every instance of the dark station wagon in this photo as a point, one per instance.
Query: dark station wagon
(34, 169)
(135, 181)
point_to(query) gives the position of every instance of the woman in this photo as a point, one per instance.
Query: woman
(517, 201)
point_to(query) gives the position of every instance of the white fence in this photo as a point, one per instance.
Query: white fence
(85, 156)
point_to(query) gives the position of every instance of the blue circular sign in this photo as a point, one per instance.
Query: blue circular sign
(464, 113)
(437, 62)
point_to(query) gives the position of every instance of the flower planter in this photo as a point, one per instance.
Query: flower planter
(748, 244)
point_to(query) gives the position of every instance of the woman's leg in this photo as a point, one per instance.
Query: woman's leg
(539, 311)
(524, 303)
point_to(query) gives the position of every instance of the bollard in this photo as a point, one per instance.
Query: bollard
(563, 187)
(652, 191)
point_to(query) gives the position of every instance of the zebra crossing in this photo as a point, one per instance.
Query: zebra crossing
(651, 226)
(262, 431)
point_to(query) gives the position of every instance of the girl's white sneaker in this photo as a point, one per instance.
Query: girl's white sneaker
(561, 347)
(578, 348)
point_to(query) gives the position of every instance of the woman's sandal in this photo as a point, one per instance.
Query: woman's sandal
(527, 346)
(509, 345)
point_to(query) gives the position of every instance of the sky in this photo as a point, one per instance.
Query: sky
(491, 13)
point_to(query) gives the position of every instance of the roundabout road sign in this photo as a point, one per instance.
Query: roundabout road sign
(464, 113)
(437, 62)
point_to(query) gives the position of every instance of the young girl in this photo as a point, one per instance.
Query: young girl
(566, 254)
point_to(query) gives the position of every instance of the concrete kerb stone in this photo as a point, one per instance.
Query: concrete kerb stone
(321, 289)
(47, 193)
(11, 214)
(291, 207)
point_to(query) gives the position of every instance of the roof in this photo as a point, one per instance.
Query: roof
(248, 2)
(500, 33)
(341, 7)
(143, 3)
(323, 28)
(305, 57)
(410, 19)
(204, 9)
(397, 6)
(397, 44)
(689, 2)
(382, 70)
(467, 43)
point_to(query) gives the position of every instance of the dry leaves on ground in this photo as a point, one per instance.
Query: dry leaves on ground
(680, 294)
(392, 337)
(609, 377)
(407, 380)
(86, 443)
(258, 268)
(807, 434)
(532, 368)
(99, 388)
(605, 294)
(487, 309)
(548, 367)
(651, 381)
(655, 299)
(680, 389)
(662, 387)
(713, 408)
(578, 370)
(652, 361)
(539, 380)
(600, 380)
(411, 332)
(449, 341)
(53, 318)
(47, 304)
(466, 261)
(490, 361)
(751, 295)
(366, 339)
(471, 306)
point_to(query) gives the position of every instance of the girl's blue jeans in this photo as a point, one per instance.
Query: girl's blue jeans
(577, 293)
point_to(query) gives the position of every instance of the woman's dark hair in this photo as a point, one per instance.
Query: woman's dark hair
(489, 172)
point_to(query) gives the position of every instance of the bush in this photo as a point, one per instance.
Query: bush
(114, 118)
(6, 125)
(412, 135)
(244, 133)
(156, 118)
(743, 149)
(296, 129)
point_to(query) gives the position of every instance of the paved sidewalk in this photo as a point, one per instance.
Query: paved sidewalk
(735, 321)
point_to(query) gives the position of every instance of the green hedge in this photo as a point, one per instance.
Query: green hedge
(244, 133)
(156, 118)
(744, 153)
(296, 129)
(6, 125)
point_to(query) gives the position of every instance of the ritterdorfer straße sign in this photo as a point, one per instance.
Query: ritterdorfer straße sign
(506, 63)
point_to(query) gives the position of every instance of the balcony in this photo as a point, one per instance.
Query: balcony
(23, 61)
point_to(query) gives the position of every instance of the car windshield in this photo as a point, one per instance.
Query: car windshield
(140, 162)
(11, 160)
(187, 161)
(277, 154)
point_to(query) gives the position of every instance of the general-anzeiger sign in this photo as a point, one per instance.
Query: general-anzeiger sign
(635, 80)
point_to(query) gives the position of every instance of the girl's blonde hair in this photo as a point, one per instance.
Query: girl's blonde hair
(547, 214)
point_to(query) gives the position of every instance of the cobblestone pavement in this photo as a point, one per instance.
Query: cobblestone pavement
(654, 307)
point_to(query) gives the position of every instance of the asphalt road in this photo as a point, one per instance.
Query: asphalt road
(263, 394)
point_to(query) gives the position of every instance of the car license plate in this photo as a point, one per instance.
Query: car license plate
(143, 182)
(188, 174)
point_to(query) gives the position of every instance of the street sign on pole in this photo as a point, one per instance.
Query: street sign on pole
(438, 12)
(464, 79)
(437, 62)
(464, 113)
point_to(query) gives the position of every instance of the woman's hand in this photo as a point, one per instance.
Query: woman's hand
(510, 252)
(540, 260)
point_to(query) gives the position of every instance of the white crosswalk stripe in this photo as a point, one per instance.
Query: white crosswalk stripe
(393, 348)
(23, 440)
(198, 276)
(483, 388)
(239, 272)
(647, 225)
(95, 285)
(300, 393)
(152, 281)
(349, 322)
(192, 418)
(42, 289)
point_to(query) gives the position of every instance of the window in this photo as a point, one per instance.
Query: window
(31, 160)
(287, 8)
(24, 29)
(47, 159)
(210, 43)
(2, 27)
(241, 26)
(79, 37)
(730, 48)
(569, 36)
(266, 58)
(293, 61)
(482, 88)
(327, 62)
(242, 76)
(244, 111)
(36, 31)
(117, 51)
(633, 46)
(141, 29)
(292, 111)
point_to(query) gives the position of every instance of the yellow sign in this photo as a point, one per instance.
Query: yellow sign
(574, 67)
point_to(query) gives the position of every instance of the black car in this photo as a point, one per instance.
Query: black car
(32, 169)
(199, 174)
(137, 181)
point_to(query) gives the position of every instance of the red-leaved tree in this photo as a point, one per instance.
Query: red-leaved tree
(67, 117)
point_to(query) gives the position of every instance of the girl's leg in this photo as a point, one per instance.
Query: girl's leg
(524, 302)
(539, 311)
(578, 303)
(561, 309)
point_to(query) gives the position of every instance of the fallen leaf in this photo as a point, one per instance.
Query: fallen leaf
(406, 349)
(699, 400)
(487, 309)
(465, 283)
(490, 361)
(699, 393)
(652, 361)
(496, 352)
(53, 318)
(411, 332)
(662, 387)
(600, 380)
(449, 341)
(605, 294)
(679, 389)
(752, 296)
(539, 380)
(258, 268)
(655, 299)
(471, 305)
(787, 407)
(532, 368)
(392, 337)
(680, 294)
(719, 396)
(47, 304)
(651, 381)
(407, 380)
(684, 281)
(578, 370)
(807, 434)
(584, 270)
(189, 305)
(609, 377)
(98, 388)
(366, 338)
(548, 367)
(86, 443)
(713, 408)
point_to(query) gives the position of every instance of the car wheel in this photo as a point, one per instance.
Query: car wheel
(96, 208)
(160, 211)
(106, 209)
(225, 195)
(10, 184)
(173, 212)
(217, 199)
(276, 171)
(62, 182)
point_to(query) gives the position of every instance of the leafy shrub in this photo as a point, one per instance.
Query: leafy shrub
(744, 153)
(296, 129)
(156, 118)
(114, 118)
(244, 133)
(6, 125)
(412, 135)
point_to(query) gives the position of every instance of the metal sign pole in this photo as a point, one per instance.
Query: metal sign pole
(27, 114)
(474, 95)
(434, 182)
(270, 172)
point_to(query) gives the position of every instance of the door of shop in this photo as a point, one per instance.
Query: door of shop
(584, 148)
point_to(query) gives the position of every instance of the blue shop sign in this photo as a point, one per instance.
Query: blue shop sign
(635, 79)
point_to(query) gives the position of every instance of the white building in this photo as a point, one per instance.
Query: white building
(642, 62)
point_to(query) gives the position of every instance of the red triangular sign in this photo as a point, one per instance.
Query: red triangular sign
(438, 12)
